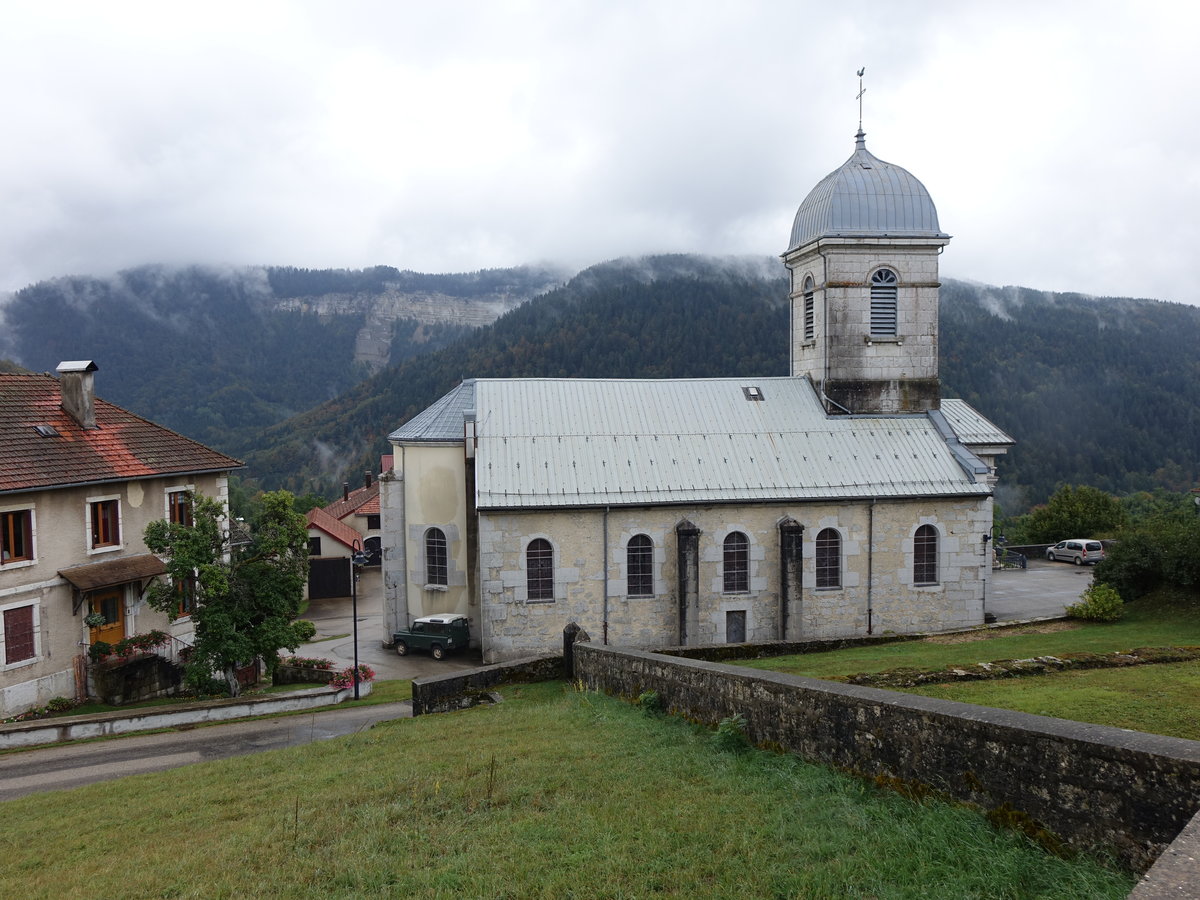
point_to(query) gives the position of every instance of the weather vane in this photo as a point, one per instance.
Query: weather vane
(861, 90)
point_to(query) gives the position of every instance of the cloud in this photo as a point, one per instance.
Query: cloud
(449, 137)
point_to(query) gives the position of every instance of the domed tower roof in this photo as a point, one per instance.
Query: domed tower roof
(866, 197)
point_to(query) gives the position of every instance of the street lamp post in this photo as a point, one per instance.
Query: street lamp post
(357, 558)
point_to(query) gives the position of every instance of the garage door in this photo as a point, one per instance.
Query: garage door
(328, 577)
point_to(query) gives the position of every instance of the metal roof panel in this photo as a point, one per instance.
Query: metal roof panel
(582, 442)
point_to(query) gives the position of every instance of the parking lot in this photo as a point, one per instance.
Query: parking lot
(1042, 589)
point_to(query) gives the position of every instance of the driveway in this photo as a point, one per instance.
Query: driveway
(1043, 589)
(334, 639)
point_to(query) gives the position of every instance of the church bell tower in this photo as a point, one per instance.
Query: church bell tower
(863, 266)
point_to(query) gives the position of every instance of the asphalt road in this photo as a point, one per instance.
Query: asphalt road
(68, 766)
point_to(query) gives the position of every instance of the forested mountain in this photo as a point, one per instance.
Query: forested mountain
(1097, 391)
(217, 353)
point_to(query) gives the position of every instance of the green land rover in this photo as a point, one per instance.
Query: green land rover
(437, 634)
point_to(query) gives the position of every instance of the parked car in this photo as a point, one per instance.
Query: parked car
(1080, 551)
(437, 634)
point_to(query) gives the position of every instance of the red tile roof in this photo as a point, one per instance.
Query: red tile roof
(123, 446)
(339, 531)
(363, 502)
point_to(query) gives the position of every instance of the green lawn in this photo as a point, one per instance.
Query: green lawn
(1159, 622)
(1160, 699)
(553, 793)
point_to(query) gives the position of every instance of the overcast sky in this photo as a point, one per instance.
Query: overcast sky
(1056, 138)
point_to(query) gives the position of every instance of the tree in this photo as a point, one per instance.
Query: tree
(1075, 512)
(246, 598)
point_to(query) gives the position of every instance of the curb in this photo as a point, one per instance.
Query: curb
(39, 732)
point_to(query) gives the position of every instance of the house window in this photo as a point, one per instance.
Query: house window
(809, 315)
(186, 592)
(639, 559)
(539, 569)
(883, 303)
(179, 508)
(106, 523)
(829, 559)
(435, 557)
(16, 536)
(373, 522)
(737, 563)
(314, 546)
(19, 638)
(925, 553)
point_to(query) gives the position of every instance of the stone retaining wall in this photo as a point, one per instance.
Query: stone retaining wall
(459, 690)
(301, 675)
(1089, 785)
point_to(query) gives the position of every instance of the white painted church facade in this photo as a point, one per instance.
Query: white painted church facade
(846, 499)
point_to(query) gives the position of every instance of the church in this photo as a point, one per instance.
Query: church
(846, 499)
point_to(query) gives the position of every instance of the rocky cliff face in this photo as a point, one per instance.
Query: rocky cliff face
(380, 312)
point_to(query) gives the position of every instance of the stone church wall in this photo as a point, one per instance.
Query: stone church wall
(512, 625)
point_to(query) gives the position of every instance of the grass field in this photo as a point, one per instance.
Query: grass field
(553, 793)
(1160, 699)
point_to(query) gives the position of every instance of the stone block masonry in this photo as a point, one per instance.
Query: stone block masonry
(462, 689)
(1090, 786)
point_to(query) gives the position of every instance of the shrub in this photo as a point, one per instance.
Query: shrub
(304, 630)
(60, 704)
(730, 735)
(650, 702)
(99, 650)
(1158, 553)
(1100, 603)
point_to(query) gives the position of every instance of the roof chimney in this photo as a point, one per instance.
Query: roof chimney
(345, 490)
(366, 479)
(78, 392)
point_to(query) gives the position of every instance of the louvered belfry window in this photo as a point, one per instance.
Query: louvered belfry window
(809, 316)
(883, 303)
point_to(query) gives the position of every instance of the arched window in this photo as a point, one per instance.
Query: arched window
(639, 558)
(925, 555)
(737, 563)
(883, 302)
(809, 316)
(829, 558)
(435, 557)
(539, 569)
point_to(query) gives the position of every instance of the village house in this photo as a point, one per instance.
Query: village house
(341, 532)
(80, 480)
(846, 499)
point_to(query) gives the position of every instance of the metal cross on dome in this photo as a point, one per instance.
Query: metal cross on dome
(861, 90)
